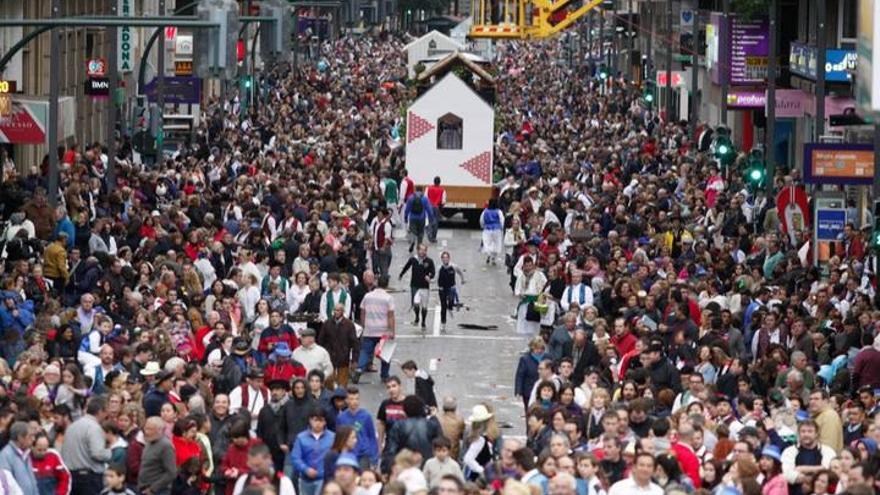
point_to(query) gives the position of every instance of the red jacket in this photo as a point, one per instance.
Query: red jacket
(687, 459)
(52, 467)
(286, 370)
(236, 457)
(435, 195)
(624, 344)
(185, 450)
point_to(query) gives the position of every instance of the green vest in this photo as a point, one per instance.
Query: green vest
(332, 304)
(391, 192)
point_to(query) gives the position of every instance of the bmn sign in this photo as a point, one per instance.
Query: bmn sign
(97, 86)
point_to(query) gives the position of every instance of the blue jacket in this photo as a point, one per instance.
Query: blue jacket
(153, 402)
(21, 468)
(21, 322)
(526, 374)
(363, 424)
(65, 225)
(309, 452)
(427, 209)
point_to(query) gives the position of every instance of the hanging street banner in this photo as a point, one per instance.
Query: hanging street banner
(125, 38)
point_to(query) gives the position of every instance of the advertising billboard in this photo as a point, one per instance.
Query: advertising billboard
(828, 163)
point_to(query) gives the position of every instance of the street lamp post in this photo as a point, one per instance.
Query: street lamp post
(54, 90)
(113, 68)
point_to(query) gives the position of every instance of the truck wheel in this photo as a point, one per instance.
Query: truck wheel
(472, 217)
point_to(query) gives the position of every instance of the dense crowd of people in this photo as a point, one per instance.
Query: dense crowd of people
(202, 326)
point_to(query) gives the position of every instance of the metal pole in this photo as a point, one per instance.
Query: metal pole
(103, 22)
(160, 88)
(590, 41)
(255, 87)
(770, 145)
(695, 80)
(111, 103)
(669, 43)
(54, 82)
(725, 70)
(876, 189)
(632, 38)
(602, 36)
(649, 73)
(820, 69)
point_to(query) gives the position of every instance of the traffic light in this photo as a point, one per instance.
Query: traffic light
(603, 72)
(722, 147)
(756, 169)
(216, 48)
(275, 36)
(247, 82)
(649, 93)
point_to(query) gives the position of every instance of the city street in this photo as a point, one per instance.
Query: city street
(472, 365)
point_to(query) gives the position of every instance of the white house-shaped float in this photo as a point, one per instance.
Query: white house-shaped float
(449, 134)
(430, 46)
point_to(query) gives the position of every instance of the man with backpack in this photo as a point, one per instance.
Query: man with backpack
(418, 209)
(261, 473)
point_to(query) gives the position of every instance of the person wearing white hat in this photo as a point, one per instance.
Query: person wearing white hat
(480, 448)
(151, 369)
(51, 380)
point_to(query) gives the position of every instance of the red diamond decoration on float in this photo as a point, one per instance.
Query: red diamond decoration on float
(480, 166)
(417, 127)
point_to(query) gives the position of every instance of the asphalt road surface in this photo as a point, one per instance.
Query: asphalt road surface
(471, 365)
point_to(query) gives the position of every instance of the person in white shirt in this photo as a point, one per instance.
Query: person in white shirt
(639, 481)
(311, 355)
(251, 396)
(528, 286)
(334, 295)
(577, 293)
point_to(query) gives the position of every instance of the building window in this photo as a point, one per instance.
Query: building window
(847, 23)
(449, 132)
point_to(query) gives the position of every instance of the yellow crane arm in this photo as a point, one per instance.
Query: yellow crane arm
(524, 19)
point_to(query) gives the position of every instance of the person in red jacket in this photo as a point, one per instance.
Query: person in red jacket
(51, 473)
(684, 453)
(282, 367)
(623, 339)
(235, 461)
(184, 440)
(277, 332)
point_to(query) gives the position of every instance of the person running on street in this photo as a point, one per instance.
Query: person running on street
(446, 284)
(423, 272)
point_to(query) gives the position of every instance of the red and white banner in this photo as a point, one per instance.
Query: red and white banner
(26, 121)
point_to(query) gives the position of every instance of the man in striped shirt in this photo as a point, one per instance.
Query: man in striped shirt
(377, 318)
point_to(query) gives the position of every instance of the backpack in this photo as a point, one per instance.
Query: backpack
(418, 207)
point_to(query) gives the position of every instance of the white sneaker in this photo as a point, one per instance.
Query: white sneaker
(443, 328)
